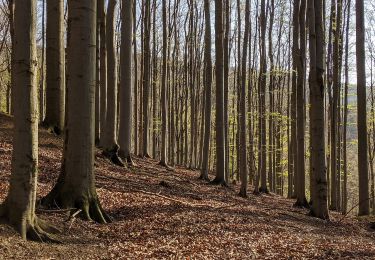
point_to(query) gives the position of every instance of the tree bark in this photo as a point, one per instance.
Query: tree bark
(55, 61)
(207, 90)
(126, 103)
(242, 123)
(319, 194)
(219, 73)
(18, 208)
(364, 208)
(75, 187)
(110, 146)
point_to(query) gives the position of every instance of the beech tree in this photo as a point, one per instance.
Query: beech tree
(110, 145)
(126, 83)
(242, 123)
(364, 208)
(319, 194)
(163, 151)
(219, 74)
(103, 69)
(55, 66)
(207, 90)
(75, 187)
(18, 208)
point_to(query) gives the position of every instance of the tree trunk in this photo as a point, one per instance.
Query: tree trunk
(262, 102)
(164, 100)
(361, 110)
(18, 208)
(207, 90)
(219, 73)
(319, 207)
(103, 69)
(300, 102)
(110, 146)
(146, 79)
(55, 59)
(126, 104)
(242, 123)
(75, 187)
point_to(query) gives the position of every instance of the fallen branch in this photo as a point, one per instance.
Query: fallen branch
(55, 210)
(183, 202)
(73, 217)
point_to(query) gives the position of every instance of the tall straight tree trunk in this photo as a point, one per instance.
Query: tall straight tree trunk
(293, 103)
(97, 84)
(300, 102)
(18, 208)
(319, 194)
(103, 69)
(55, 59)
(11, 5)
(110, 145)
(75, 187)
(335, 111)
(42, 85)
(207, 90)
(164, 100)
(155, 118)
(361, 110)
(135, 83)
(345, 157)
(262, 168)
(219, 73)
(226, 83)
(146, 78)
(126, 102)
(242, 123)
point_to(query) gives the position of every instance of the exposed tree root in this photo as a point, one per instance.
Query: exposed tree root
(243, 193)
(90, 205)
(127, 158)
(219, 181)
(302, 204)
(30, 227)
(42, 232)
(164, 164)
(130, 161)
(53, 129)
(312, 214)
(266, 191)
(112, 154)
(204, 177)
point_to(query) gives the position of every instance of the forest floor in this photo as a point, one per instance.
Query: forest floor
(163, 214)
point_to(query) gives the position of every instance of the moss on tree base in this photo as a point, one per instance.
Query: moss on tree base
(30, 227)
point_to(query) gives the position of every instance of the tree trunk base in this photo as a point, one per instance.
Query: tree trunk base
(32, 228)
(219, 181)
(264, 190)
(112, 154)
(243, 193)
(127, 158)
(321, 216)
(333, 208)
(53, 129)
(89, 205)
(301, 204)
(164, 164)
(204, 177)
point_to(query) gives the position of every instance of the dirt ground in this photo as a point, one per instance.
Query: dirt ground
(164, 214)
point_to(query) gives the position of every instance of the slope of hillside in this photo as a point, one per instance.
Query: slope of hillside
(158, 213)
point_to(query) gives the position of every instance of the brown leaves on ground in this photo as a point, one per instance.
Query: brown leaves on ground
(158, 213)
